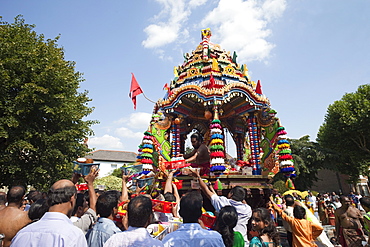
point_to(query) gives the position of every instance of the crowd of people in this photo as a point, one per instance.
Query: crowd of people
(67, 217)
(348, 214)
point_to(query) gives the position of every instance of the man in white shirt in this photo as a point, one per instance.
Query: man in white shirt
(191, 234)
(54, 228)
(235, 198)
(139, 213)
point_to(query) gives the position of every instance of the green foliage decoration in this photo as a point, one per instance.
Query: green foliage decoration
(111, 182)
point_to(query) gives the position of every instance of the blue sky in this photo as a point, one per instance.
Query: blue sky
(307, 53)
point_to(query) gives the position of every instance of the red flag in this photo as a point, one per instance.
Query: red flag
(135, 90)
(166, 87)
(259, 87)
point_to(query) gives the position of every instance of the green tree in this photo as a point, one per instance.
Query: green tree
(309, 158)
(41, 109)
(117, 173)
(346, 131)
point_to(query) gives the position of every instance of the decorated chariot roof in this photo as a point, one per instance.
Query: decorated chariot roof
(210, 75)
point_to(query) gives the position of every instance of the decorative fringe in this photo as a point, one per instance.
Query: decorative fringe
(289, 184)
(218, 185)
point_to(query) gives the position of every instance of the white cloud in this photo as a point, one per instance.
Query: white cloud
(129, 134)
(237, 25)
(105, 142)
(273, 9)
(170, 23)
(196, 3)
(125, 134)
(136, 120)
(160, 34)
(242, 26)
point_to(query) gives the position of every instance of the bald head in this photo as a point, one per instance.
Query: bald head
(61, 192)
(16, 194)
(62, 184)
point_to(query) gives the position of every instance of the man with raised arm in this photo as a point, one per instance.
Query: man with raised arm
(88, 216)
(235, 198)
(199, 157)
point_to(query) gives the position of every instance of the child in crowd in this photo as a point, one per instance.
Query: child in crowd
(262, 223)
(226, 221)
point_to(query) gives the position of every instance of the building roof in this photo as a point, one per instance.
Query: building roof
(110, 155)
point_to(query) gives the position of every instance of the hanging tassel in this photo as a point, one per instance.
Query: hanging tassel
(289, 184)
(218, 185)
(215, 186)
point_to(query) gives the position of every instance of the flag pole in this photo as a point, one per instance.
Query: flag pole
(148, 98)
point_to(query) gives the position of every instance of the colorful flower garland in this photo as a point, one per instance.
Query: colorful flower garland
(217, 147)
(145, 150)
(285, 157)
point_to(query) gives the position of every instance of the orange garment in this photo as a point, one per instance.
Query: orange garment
(304, 231)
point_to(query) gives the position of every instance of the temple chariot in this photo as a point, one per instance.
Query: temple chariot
(211, 93)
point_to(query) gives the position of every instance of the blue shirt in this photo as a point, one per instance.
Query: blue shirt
(101, 232)
(53, 229)
(193, 235)
(133, 236)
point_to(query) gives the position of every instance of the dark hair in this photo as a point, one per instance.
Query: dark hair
(270, 228)
(289, 200)
(99, 192)
(299, 212)
(169, 197)
(139, 211)
(38, 209)
(80, 198)
(115, 193)
(226, 221)
(105, 204)
(342, 198)
(238, 193)
(198, 136)
(87, 197)
(15, 194)
(34, 195)
(365, 201)
(191, 207)
(60, 195)
(2, 199)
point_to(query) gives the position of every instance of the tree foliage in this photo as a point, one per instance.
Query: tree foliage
(117, 173)
(309, 159)
(41, 109)
(346, 131)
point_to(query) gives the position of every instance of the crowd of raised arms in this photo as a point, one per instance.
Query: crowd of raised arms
(65, 216)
